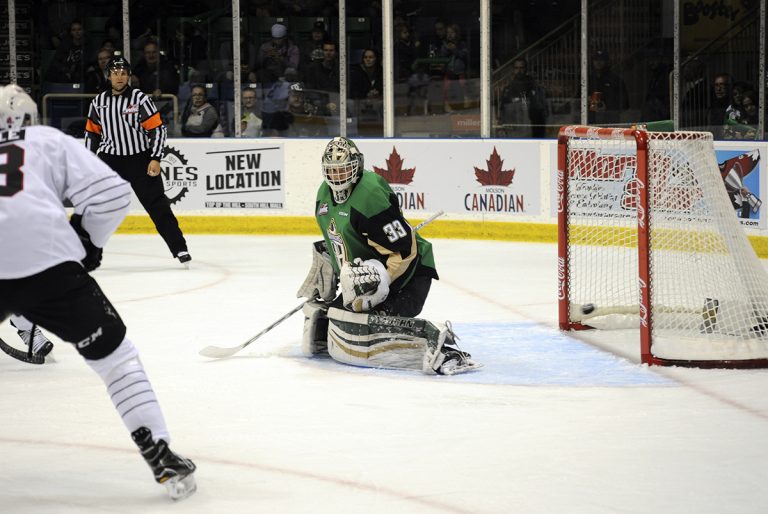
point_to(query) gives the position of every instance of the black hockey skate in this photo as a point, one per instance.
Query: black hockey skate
(184, 258)
(173, 471)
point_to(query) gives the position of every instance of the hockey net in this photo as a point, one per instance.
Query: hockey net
(648, 239)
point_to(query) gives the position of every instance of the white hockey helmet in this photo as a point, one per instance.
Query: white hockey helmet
(17, 109)
(342, 167)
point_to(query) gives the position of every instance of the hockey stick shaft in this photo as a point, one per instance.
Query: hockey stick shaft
(217, 352)
(429, 220)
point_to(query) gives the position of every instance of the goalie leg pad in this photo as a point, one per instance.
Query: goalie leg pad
(314, 340)
(374, 341)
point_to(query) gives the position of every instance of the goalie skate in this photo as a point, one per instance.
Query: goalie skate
(171, 470)
(445, 357)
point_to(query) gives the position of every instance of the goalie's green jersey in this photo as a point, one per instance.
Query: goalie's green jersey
(370, 225)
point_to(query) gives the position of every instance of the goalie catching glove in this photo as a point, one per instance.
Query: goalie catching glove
(364, 284)
(93, 253)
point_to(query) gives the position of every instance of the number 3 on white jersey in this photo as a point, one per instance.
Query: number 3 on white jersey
(394, 231)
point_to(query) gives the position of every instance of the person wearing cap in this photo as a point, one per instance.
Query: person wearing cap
(276, 55)
(126, 131)
(312, 50)
(302, 115)
(608, 93)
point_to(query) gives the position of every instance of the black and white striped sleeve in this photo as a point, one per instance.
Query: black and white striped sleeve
(93, 127)
(95, 190)
(153, 124)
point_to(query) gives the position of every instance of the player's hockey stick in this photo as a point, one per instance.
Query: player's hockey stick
(217, 352)
(28, 357)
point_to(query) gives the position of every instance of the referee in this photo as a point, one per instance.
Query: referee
(125, 130)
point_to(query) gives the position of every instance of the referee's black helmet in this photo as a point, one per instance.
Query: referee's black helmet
(117, 63)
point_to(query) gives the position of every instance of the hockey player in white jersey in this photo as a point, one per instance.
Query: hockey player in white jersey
(44, 263)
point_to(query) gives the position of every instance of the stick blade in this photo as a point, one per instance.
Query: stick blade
(216, 352)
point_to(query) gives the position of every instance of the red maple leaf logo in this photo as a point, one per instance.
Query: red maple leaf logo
(494, 175)
(395, 173)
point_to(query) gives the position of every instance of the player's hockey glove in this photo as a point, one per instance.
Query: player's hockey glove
(93, 253)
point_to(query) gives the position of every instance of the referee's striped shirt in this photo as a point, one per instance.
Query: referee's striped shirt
(125, 124)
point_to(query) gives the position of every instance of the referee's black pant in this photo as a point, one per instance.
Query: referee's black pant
(149, 191)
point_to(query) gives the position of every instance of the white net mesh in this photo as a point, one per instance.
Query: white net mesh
(709, 291)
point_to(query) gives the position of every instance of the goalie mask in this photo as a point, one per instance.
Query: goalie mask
(342, 166)
(17, 109)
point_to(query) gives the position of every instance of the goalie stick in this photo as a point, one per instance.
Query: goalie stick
(218, 352)
(588, 311)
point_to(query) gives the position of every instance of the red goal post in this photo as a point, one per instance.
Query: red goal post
(648, 239)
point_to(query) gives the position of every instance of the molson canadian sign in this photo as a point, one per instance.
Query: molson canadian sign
(485, 177)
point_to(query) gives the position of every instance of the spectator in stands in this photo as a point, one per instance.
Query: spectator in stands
(436, 39)
(155, 74)
(656, 104)
(324, 76)
(454, 80)
(274, 111)
(68, 63)
(248, 58)
(277, 55)
(188, 49)
(524, 103)
(366, 78)
(608, 93)
(250, 121)
(406, 50)
(114, 34)
(199, 118)
(734, 111)
(750, 107)
(312, 50)
(718, 103)
(97, 76)
(742, 122)
(302, 115)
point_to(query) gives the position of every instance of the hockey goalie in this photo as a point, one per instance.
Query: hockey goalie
(385, 270)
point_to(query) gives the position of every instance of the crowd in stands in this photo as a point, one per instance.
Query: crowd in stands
(291, 79)
(294, 77)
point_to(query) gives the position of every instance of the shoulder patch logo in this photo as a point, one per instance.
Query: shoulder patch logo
(323, 210)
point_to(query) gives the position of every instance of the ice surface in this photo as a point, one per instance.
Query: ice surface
(551, 424)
